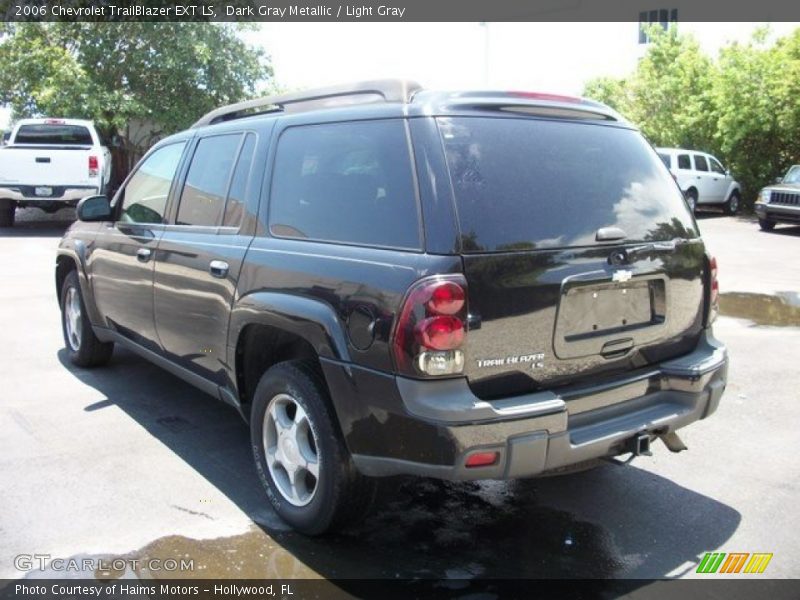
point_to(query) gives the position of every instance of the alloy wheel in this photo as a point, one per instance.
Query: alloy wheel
(290, 447)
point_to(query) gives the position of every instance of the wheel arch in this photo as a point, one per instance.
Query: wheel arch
(270, 327)
(73, 258)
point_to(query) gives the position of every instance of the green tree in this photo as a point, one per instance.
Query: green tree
(154, 78)
(756, 95)
(741, 107)
(669, 94)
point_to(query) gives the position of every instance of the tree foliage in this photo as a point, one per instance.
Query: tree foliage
(159, 76)
(741, 106)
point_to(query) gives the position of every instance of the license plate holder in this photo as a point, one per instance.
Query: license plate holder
(602, 310)
(43, 190)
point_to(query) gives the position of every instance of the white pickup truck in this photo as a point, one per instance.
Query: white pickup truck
(51, 163)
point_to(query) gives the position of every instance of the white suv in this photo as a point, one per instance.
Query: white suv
(702, 179)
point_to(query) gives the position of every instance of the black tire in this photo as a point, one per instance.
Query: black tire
(691, 200)
(84, 349)
(733, 204)
(766, 224)
(341, 495)
(8, 210)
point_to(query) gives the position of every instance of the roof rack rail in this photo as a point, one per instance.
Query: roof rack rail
(362, 92)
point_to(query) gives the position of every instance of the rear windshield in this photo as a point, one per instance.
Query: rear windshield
(525, 183)
(54, 134)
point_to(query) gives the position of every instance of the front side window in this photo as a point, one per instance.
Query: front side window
(700, 163)
(684, 162)
(666, 159)
(716, 167)
(145, 196)
(203, 197)
(793, 176)
(235, 207)
(345, 182)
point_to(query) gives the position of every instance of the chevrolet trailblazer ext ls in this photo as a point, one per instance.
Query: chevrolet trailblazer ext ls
(386, 280)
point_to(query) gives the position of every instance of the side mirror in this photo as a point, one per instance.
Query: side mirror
(94, 208)
(779, 180)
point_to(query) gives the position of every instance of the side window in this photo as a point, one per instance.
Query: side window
(700, 163)
(234, 207)
(345, 182)
(666, 159)
(684, 162)
(715, 166)
(144, 199)
(203, 196)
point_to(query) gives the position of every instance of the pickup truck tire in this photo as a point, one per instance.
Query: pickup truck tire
(766, 224)
(292, 421)
(733, 204)
(84, 349)
(8, 209)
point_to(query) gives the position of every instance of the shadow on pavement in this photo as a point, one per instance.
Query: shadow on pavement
(621, 522)
(49, 229)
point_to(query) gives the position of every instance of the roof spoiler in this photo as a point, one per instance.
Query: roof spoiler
(363, 92)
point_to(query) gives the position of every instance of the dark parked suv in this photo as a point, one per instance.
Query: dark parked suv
(386, 280)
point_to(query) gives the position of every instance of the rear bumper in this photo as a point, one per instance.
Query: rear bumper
(67, 195)
(430, 427)
(782, 213)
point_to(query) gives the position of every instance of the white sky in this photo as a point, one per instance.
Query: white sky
(552, 57)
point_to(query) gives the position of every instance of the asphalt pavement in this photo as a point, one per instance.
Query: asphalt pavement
(129, 461)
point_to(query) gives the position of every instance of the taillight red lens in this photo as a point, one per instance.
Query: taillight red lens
(713, 292)
(440, 333)
(446, 299)
(94, 163)
(714, 281)
(431, 327)
(481, 459)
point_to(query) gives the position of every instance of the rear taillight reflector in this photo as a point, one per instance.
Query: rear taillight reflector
(713, 295)
(446, 299)
(431, 327)
(482, 459)
(440, 333)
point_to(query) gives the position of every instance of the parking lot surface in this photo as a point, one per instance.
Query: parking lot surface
(129, 461)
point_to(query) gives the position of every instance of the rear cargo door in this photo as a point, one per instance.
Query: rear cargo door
(580, 255)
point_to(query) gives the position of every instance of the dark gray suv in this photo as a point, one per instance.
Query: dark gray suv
(385, 280)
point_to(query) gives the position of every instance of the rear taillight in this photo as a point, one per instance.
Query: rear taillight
(432, 327)
(713, 292)
(94, 166)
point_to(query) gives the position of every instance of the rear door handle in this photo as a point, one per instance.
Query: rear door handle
(143, 254)
(218, 268)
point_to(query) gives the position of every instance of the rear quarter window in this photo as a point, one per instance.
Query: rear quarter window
(345, 182)
(54, 135)
(530, 183)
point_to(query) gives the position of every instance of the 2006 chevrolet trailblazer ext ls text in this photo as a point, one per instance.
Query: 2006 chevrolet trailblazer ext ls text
(387, 280)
